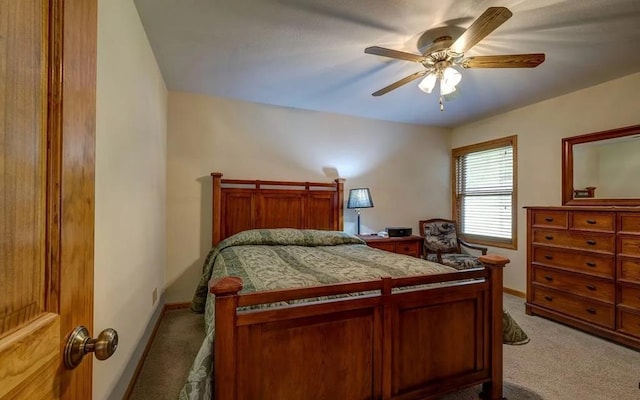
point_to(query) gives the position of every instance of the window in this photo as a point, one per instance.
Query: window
(484, 192)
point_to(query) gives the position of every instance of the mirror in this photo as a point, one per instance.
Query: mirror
(602, 168)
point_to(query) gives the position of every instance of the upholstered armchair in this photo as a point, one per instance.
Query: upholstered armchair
(442, 244)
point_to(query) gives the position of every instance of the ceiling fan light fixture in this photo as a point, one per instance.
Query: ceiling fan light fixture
(428, 83)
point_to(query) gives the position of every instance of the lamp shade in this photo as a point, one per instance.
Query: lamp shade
(446, 89)
(427, 84)
(359, 198)
(451, 76)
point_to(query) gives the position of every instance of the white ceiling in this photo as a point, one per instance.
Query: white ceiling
(309, 54)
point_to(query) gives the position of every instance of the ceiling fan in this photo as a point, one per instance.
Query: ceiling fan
(444, 53)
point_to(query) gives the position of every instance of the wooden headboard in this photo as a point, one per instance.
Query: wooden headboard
(239, 205)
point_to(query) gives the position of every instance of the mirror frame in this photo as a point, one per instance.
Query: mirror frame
(567, 167)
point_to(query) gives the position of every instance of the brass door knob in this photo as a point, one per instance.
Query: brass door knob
(79, 344)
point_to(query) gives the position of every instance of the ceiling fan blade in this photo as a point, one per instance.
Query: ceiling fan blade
(399, 83)
(401, 55)
(504, 61)
(492, 18)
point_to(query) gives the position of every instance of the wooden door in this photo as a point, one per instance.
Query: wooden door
(47, 136)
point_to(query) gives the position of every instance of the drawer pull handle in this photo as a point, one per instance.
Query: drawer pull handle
(548, 298)
(549, 237)
(549, 219)
(549, 278)
(591, 264)
(591, 287)
(591, 310)
(549, 257)
(591, 221)
(591, 242)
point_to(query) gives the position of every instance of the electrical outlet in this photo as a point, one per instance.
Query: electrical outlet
(154, 296)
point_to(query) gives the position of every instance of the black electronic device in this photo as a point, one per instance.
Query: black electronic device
(398, 231)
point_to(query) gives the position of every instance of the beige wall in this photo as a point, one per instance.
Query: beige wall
(405, 166)
(540, 128)
(130, 190)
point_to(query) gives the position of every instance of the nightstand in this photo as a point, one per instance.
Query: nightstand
(409, 245)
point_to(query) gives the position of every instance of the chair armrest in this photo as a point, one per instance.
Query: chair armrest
(439, 256)
(426, 252)
(473, 246)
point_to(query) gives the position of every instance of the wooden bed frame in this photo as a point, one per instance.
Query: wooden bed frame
(419, 343)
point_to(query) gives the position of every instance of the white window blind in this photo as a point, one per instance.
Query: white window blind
(484, 193)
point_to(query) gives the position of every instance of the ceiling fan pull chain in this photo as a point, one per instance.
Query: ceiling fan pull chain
(441, 105)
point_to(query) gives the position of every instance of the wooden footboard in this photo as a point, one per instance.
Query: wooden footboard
(415, 343)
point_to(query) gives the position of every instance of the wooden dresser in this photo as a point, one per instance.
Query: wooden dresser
(583, 269)
(408, 245)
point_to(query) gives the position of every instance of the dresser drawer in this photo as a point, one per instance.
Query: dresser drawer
(629, 245)
(576, 284)
(628, 222)
(578, 240)
(408, 248)
(407, 245)
(386, 246)
(629, 269)
(629, 323)
(629, 297)
(592, 221)
(576, 306)
(549, 218)
(591, 263)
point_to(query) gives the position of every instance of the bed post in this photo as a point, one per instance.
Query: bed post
(216, 211)
(224, 364)
(386, 373)
(494, 264)
(340, 205)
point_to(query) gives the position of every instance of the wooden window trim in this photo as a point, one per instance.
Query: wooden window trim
(488, 145)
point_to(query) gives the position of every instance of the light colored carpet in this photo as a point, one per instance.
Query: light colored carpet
(559, 363)
(174, 348)
(562, 363)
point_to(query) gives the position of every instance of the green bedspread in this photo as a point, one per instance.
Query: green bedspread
(288, 258)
